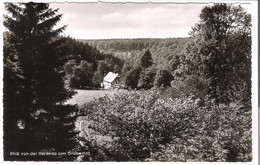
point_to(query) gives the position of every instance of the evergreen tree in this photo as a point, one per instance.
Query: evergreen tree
(146, 59)
(45, 123)
(11, 99)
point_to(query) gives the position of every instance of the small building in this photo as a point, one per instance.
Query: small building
(110, 81)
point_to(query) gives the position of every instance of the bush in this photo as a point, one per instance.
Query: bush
(190, 85)
(163, 78)
(145, 127)
(218, 133)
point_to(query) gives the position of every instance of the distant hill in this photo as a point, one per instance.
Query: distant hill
(162, 50)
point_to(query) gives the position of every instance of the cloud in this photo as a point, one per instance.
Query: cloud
(128, 20)
(114, 15)
(68, 16)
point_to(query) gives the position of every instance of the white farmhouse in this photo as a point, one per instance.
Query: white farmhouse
(110, 80)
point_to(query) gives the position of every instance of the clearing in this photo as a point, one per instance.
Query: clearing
(84, 96)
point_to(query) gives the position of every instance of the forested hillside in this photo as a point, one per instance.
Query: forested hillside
(163, 50)
(85, 66)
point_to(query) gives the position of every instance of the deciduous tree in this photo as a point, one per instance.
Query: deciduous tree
(132, 77)
(147, 78)
(221, 50)
(163, 78)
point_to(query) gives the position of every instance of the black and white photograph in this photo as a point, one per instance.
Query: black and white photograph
(129, 81)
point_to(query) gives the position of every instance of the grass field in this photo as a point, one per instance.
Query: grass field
(84, 96)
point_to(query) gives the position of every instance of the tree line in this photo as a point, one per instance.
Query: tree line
(163, 50)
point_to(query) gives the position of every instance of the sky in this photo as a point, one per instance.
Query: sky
(128, 20)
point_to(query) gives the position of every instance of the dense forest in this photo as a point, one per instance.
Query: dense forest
(192, 97)
(163, 50)
(90, 60)
(85, 66)
(127, 55)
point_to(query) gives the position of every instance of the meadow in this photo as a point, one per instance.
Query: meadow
(84, 96)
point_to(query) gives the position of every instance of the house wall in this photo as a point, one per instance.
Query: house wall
(107, 85)
(114, 84)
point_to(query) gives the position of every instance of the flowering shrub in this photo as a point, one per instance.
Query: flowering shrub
(145, 127)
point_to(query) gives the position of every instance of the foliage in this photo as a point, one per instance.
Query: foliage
(75, 50)
(163, 78)
(216, 133)
(174, 64)
(190, 85)
(206, 113)
(89, 68)
(32, 57)
(221, 49)
(147, 78)
(132, 77)
(108, 64)
(164, 54)
(163, 50)
(145, 127)
(146, 60)
(97, 79)
(11, 96)
(79, 75)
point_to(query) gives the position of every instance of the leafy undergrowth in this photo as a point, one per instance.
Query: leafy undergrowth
(146, 128)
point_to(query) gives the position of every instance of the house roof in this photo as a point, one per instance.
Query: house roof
(110, 77)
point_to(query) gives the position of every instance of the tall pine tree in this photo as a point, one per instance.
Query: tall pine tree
(35, 118)
(146, 59)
